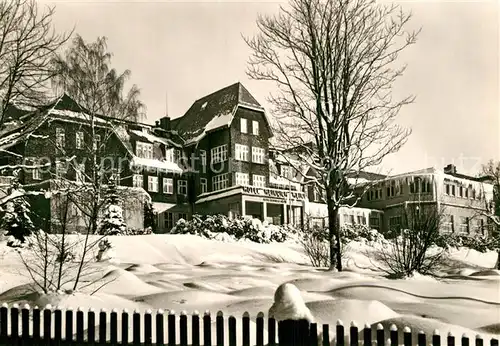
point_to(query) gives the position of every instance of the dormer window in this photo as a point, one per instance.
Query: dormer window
(286, 172)
(169, 155)
(144, 150)
(255, 127)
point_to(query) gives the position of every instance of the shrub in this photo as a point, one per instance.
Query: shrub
(211, 226)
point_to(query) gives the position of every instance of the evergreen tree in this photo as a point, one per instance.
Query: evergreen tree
(113, 222)
(17, 221)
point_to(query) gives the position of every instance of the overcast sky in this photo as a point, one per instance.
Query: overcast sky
(190, 49)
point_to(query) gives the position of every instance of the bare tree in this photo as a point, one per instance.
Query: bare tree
(492, 212)
(27, 45)
(412, 248)
(334, 64)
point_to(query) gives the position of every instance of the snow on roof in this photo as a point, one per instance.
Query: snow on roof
(164, 166)
(154, 139)
(77, 115)
(216, 122)
(278, 180)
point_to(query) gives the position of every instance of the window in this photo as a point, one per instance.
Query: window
(447, 188)
(219, 182)
(375, 221)
(182, 216)
(242, 178)
(36, 174)
(169, 155)
(448, 224)
(60, 137)
(203, 156)
(61, 169)
(182, 187)
(80, 136)
(460, 191)
(393, 189)
(241, 152)
(255, 127)
(286, 171)
(467, 191)
(168, 186)
(152, 183)
(219, 154)
(80, 172)
(361, 220)
(243, 125)
(97, 142)
(258, 180)
(257, 155)
(168, 220)
(395, 223)
(138, 180)
(203, 185)
(453, 190)
(316, 194)
(464, 225)
(144, 150)
(419, 185)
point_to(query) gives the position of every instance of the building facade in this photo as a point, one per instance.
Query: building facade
(215, 159)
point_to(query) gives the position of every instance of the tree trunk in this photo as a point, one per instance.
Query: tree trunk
(498, 260)
(334, 236)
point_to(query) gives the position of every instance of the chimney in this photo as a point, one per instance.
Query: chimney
(450, 169)
(165, 123)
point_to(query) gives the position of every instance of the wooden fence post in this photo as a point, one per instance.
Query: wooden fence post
(171, 328)
(113, 327)
(353, 334)
(14, 322)
(326, 335)
(91, 326)
(367, 335)
(465, 340)
(58, 325)
(246, 328)
(219, 329)
(125, 327)
(260, 329)
(136, 327)
(195, 329)
(340, 333)
(4, 331)
(394, 335)
(103, 316)
(183, 323)
(25, 322)
(436, 338)
(450, 340)
(207, 329)
(232, 330)
(271, 331)
(160, 327)
(380, 335)
(148, 328)
(421, 339)
(407, 339)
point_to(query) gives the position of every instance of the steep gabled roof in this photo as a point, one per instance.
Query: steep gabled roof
(213, 111)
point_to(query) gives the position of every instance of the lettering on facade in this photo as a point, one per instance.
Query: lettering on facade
(261, 191)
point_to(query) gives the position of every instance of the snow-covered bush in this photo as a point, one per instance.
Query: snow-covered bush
(476, 242)
(105, 250)
(17, 220)
(211, 226)
(138, 231)
(112, 222)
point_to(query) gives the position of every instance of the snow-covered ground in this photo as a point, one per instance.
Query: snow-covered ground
(185, 272)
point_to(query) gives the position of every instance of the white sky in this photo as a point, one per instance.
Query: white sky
(190, 49)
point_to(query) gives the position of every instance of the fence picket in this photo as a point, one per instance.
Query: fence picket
(79, 324)
(124, 340)
(326, 335)
(421, 339)
(47, 323)
(4, 332)
(393, 334)
(479, 340)
(407, 339)
(380, 335)
(246, 329)
(354, 334)
(260, 329)
(195, 329)
(148, 328)
(14, 321)
(58, 325)
(91, 326)
(436, 338)
(171, 328)
(103, 316)
(340, 333)
(113, 327)
(313, 334)
(450, 340)
(465, 340)
(160, 328)
(136, 327)
(68, 325)
(183, 328)
(207, 329)
(25, 322)
(232, 330)
(271, 331)
(494, 342)
(219, 329)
